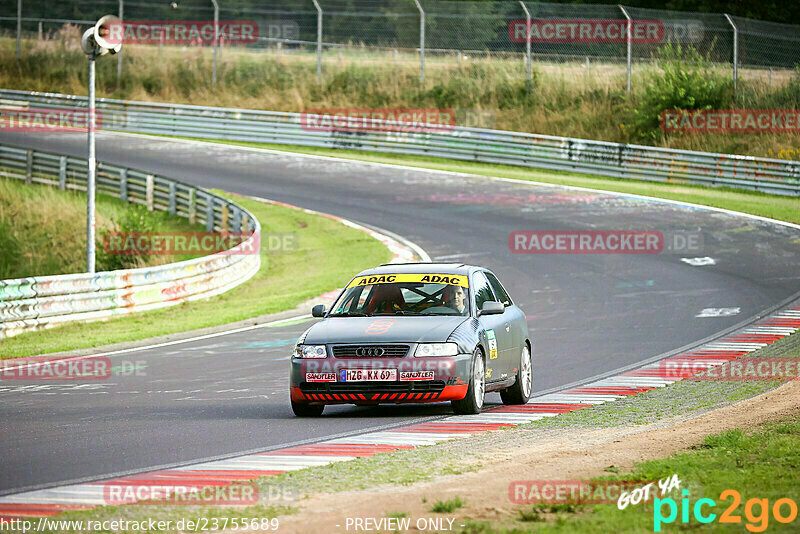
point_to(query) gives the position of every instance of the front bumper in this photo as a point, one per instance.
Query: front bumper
(446, 379)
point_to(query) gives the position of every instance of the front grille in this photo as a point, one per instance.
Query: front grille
(433, 386)
(370, 351)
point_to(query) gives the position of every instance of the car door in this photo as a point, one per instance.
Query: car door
(498, 333)
(514, 320)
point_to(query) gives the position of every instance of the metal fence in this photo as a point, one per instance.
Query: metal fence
(453, 142)
(46, 301)
(448, 34)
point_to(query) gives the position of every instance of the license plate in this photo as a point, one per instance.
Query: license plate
(368, 375)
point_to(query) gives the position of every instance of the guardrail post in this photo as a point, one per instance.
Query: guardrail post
(527, 45)
(123, 185)
(628, 40)
(237, 220)
(149, 192)
(173, 209)
(62, 173)
(192, 205)
(421, 42)
(209, 213)
(319, 38)
(29, 167)
(224, 224)
(735, 54)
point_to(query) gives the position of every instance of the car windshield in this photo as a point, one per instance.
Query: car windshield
(404, 294)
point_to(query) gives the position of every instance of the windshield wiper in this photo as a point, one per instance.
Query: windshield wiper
(350, 314)
(401, 312)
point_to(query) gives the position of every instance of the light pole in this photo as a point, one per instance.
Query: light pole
(95, 42)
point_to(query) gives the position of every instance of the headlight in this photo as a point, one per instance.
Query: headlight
(436, 349)
(310, 351)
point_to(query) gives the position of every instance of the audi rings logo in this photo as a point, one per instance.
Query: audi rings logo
(369, 352)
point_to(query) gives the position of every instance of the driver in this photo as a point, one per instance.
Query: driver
(454, 297)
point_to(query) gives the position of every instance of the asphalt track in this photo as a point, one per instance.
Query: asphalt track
(589, 314)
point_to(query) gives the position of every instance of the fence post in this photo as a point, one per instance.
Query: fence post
(421, 42)
(149, 192)
(173, 204)
(628, 40)
(319, 38)
(216, 41)
(62, 173)
(527, 45)
(41, 31)
(29, 167)
(119, 54)
(19, 28)
(735, 55)
(123, 185)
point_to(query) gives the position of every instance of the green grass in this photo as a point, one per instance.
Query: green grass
(778, 207)
(401, 468)
(763, 464)
(42, 230)
(447, 507)
(327, 255)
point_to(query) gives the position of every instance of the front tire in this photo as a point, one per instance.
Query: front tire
(520, 392)
(473, 402)
(301, 409)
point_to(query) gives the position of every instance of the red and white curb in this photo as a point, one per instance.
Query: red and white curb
(229, 471)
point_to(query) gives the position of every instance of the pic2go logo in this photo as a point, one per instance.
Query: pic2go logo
(757, 522)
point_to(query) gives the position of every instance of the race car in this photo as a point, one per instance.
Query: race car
(414, 333)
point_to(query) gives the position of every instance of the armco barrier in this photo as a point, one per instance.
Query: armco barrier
(46, 301)
(471, 144)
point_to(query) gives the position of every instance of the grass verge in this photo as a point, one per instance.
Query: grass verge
(760, 465)
(485, 90)
(327, 254)
(778, 207)
(42, 230)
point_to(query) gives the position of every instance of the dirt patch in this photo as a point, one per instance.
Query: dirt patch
(572, 454)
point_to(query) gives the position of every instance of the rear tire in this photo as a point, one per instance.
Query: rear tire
(520, 392)
(301, 409)
(472, 403)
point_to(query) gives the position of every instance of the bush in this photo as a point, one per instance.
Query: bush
(136, 219)
(685, 80)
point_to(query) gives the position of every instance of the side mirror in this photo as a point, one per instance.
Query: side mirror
(318, 310)
(492, 307)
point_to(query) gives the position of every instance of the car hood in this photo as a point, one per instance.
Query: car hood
(384, 329)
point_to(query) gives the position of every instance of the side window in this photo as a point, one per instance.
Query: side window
(502, 296)
(482, 290)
